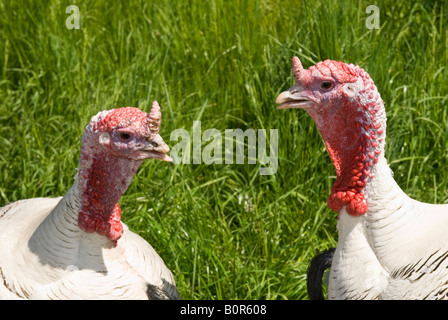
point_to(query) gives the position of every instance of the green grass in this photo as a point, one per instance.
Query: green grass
(224, 63)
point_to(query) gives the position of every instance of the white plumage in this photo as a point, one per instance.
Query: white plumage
(46, 254)
(397, 250)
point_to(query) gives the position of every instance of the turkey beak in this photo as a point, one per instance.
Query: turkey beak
(293, 98)
(156, 148)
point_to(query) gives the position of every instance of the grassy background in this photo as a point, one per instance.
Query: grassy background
(224, 63)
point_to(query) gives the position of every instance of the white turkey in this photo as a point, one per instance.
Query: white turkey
(389, 245)
(75, 246)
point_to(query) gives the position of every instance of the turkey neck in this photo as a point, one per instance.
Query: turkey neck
(354, 134)
(61, 240)
(103, 178)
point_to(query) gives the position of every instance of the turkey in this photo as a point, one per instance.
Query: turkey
(389, 245)
(75, 246)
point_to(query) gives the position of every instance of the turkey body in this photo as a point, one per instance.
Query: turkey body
(397, 250)
(45, 255)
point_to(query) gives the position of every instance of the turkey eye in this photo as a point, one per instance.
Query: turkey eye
(125, 136)
(326, 85)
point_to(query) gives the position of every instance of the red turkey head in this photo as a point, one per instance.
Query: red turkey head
(114, 145)
(349, 113)
(131, 133)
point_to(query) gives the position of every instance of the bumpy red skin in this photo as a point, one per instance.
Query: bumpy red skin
(350, 129)
(105, 173)
(124, 117)
(100, 211)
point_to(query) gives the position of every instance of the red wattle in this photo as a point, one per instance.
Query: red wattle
(351, 132)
